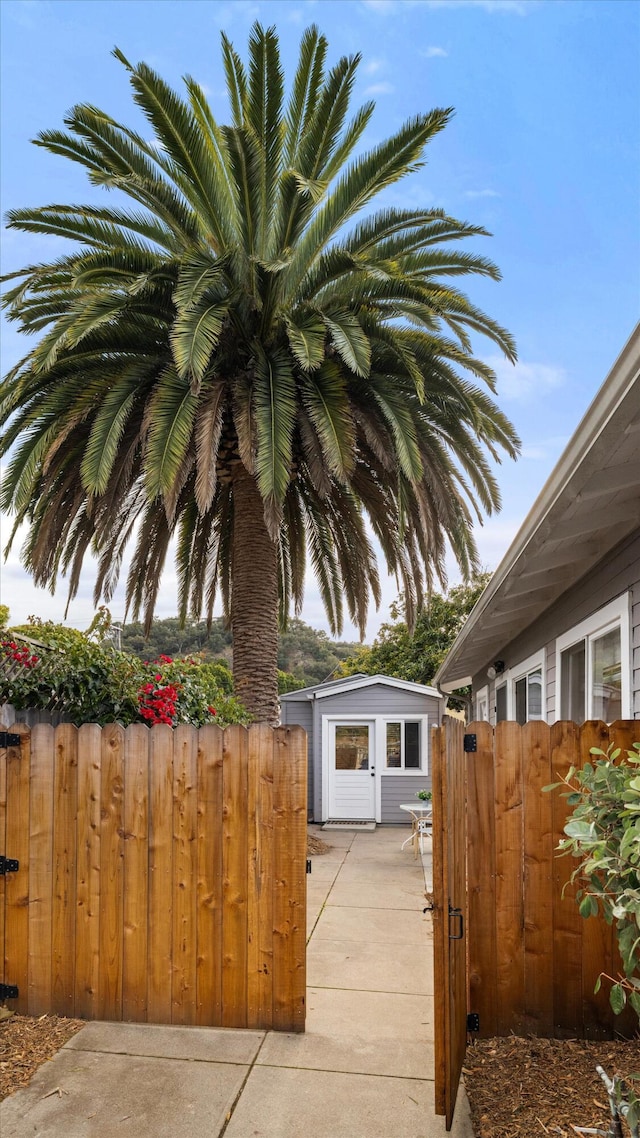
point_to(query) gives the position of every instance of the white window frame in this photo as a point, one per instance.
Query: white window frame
(534, 663)
(616, 614)
(423, 769)
(482, 697)
(504, 683)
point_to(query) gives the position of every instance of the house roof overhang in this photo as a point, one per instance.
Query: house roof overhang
(589, 504)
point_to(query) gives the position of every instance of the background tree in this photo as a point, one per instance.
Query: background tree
(416, 654)
(231, 354)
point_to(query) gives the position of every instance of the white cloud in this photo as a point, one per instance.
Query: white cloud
(243, 10)
(379, 89)
(373, 66)
(482, 194)
(434, 53)
(522, 381)
(517, 7)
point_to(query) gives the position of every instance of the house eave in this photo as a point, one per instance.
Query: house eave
(589, 504)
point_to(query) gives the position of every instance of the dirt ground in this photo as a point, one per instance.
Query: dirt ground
(528, 1088)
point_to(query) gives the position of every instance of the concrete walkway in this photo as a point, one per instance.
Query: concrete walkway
(363, 1069)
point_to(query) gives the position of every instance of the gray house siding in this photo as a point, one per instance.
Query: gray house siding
(616, 574)
(399, 789)
(374, 700)
(300, 712)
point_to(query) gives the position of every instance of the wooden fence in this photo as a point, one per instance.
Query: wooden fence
(533, 960)
(162, 873)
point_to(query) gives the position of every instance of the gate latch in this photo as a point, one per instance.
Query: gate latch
(8, 865)
(308, 865)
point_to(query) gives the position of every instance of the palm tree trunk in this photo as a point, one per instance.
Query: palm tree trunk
(254, 602)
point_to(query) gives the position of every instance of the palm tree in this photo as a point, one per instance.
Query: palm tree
(225, 358)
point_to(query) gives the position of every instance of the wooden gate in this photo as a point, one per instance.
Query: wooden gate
(532, 960)
(161, 874)
(449, 914)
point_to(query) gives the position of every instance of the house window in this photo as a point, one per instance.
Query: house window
(594, 666)
(404, 745)
(526, 693)
(501, 703)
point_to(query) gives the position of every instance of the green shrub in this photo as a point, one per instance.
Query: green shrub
(87, 680)
(604, 834)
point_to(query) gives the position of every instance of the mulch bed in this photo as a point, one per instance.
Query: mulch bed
(26, 1042)
(529, 1088)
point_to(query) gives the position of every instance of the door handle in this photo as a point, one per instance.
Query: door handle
(456, 914)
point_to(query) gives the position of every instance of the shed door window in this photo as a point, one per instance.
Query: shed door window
(352, 747)
(403, 746)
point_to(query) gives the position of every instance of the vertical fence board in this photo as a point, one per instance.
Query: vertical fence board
(597, 936)
(567, 922)
(160, 939)
(88, 872)
(261, 872)
(440, 921)
(456, 842)
(622, 734)
(185, 860)
(481, 879)
(509, 874)
(136, 873)
(65, 807)
(289, 902)
(112, 872)
(538, 879)
(209, 917)
(40, 869)
(234, 873)
(17, 884)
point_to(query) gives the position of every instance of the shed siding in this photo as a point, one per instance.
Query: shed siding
(398, 789)
(369, 702)
(617, 573)
(299, 712)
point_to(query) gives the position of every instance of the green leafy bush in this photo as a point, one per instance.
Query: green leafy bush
(87, 680)
(604, 834)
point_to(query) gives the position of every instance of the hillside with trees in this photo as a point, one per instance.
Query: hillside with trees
(306, 655)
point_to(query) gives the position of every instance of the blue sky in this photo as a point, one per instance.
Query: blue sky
(543, 150)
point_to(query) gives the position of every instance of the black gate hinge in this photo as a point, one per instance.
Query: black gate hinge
(470, 743)
(8, 992)
(7, 739)
(8, 865)
(308, 865)
(473, 1022)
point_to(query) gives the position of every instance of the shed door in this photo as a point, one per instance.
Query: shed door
(352, 770)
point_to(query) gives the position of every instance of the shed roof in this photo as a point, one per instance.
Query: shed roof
(589, 504)
(354, 683)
